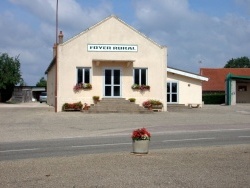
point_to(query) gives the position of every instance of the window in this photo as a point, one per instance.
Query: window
(172, 92)
(242, 88)
(83, 75)
(140, 76)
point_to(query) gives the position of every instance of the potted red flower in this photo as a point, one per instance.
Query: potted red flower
(141, 138)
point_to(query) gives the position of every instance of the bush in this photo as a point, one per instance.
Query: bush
(149, 103)
(213, 98)
(132, 99)
(72, 106)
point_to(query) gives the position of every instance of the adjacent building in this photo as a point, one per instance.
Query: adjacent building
(184, 87)
(234, 82)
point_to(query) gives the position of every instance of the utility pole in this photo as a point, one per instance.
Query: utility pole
(56, 56)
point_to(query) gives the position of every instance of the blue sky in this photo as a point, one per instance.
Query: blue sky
(207, 31)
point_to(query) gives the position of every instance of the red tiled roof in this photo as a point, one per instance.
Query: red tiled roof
(217, 77)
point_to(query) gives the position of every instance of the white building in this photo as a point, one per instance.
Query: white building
(112, 57)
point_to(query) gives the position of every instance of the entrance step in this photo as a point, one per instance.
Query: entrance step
(116, 105)
(176, 107)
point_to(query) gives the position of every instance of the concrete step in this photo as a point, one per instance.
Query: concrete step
(177, 107)
(116, 105)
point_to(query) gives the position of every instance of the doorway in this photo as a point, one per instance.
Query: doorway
(112, 82)
(172, 92)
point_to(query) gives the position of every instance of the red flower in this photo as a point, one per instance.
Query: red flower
(141, 134)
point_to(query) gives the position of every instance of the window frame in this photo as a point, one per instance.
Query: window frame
(170, 93)
(140, 76)
(83, 74)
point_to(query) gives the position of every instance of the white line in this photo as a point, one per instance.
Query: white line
(155, 133)
(100, 145)
(191, 139)
(84, 146)
(198, 131)
(244, 136)
(19, 150)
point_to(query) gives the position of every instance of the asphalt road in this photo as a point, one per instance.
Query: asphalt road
(107, 144)
(206, 147)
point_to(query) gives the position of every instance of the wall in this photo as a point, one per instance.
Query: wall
(242, 96)
(73, 53)
(190, 90)
(51, 86)
(233, 92)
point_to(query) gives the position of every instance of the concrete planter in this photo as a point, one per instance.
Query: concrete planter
(140, 146)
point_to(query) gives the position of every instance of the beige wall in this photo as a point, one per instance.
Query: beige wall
(73, 54)
(190, 89)
(51, 86)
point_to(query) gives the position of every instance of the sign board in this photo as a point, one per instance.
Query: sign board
(112, 48)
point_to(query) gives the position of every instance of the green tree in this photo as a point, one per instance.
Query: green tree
(22, 82)
(10, 75)
(241, 62)
(42, 83)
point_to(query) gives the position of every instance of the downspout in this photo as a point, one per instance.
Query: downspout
(228, 81)
(56, 56)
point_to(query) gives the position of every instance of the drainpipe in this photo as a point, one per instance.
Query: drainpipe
(228, 81)
(56, 56)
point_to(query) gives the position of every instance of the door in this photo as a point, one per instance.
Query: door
(112, 83)
(172, 92)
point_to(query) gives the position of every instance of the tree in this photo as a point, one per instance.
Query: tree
(241, 62)
(42, 83)
(22, 82)
(10, 75)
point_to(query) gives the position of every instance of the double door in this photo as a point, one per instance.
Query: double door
(172, 92)
(112, 82)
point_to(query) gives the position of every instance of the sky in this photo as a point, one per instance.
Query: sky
(197, 33)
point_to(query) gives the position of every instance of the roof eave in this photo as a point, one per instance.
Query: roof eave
(187, 74)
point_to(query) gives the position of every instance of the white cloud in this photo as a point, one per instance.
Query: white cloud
(28, 30)
(245, 4)
(42, 9)
(191, 36)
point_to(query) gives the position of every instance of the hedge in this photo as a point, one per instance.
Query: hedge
(214, 98)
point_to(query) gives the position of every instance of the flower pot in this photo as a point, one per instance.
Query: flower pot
(157, 106)
(72, 109)
(140, 146)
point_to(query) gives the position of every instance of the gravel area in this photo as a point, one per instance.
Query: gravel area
(227, 166)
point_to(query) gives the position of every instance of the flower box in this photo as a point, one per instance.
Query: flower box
(72, 106)
(152, 104)
(140, 87)
(157, 106)
(71, 109)
(82, 86)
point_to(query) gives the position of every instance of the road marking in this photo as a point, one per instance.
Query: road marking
(83, 146)
(190, 139)
(198, 131)
(19, 150)
(100, 145)
(155, 133)
(244, 136)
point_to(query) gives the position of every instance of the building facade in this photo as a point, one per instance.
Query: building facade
(184, 87)
(110, 60)
(234, 82)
